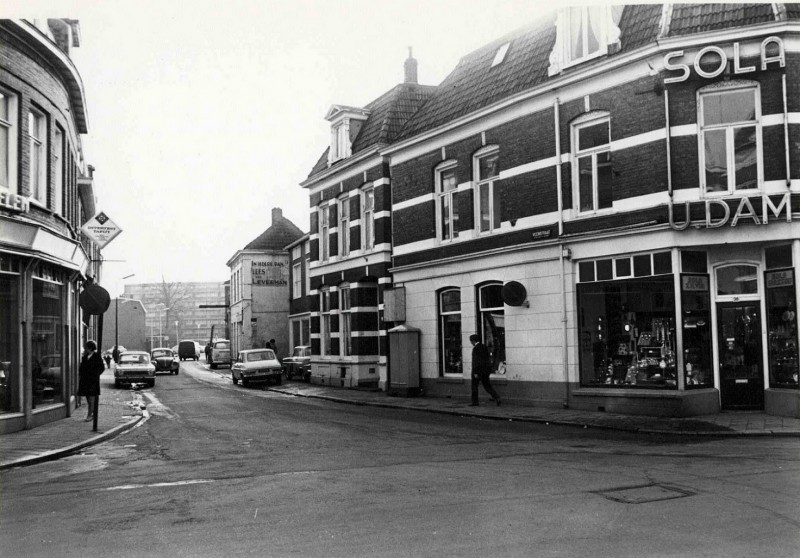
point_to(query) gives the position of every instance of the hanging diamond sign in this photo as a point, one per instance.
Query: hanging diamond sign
(101, 229)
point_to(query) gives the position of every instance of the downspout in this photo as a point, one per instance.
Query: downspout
(669, 144)
(562, 249)
(786, 135)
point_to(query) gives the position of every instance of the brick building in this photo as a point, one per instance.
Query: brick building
(300, 299)
(606, 197)
(46, 194)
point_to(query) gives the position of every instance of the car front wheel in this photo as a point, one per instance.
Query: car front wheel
(235, 381)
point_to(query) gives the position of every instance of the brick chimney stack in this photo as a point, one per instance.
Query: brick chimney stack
(277, 214)
(410, 67)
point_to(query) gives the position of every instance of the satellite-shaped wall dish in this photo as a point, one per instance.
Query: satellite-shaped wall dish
(514, 293)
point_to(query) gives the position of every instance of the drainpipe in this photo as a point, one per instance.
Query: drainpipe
(562, 250)
(786, 135)
(669, 144)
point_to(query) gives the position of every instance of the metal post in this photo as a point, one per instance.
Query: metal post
(97, 397)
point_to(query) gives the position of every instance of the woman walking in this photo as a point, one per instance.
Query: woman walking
(89, 376)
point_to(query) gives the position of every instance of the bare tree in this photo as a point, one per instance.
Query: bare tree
(176, 300)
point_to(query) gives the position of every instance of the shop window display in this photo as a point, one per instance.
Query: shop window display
(696, 306)
(492, 324)
(10, 379)
(450, 331)
(628, 333)
(782, 328)
(47, 343)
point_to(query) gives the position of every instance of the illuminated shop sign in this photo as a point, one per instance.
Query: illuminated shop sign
(745, 210)
(14, 202)
(715, 61)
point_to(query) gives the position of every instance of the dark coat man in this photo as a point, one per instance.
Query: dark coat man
(481, 370)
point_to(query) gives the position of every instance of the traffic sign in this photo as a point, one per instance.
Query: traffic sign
(101, 229)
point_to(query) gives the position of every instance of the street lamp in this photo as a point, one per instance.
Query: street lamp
(160, 337)
(116, 317)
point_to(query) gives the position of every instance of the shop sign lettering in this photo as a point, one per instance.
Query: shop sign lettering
(15, 202)
(716, 56)
(745, 210)
(269, 273)
(695, 283)
(780, 279)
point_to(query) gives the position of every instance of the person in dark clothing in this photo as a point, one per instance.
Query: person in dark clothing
(115, 354)
(481, 370)
(107, 358)
(208, 352)
(89, 375)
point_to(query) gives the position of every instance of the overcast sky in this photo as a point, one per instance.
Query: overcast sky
(206, 114)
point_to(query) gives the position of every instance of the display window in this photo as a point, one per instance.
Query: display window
(47, 342)
(782, 328)
(696, 307)
(492, 325)
(450, 331)
(627, 333)
(10, 378)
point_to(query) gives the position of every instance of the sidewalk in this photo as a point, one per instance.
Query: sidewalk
(120, 410)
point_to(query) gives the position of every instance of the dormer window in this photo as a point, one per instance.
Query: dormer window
(346, 123)
(500, 55)
(584, 33)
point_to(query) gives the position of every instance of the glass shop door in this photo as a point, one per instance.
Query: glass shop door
(741, 361)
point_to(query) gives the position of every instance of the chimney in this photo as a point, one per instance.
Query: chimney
(277, 214)
(410, 67)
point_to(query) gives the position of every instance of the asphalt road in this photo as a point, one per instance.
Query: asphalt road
(220, 470)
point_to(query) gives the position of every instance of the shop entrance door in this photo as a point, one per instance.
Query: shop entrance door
(740, 355)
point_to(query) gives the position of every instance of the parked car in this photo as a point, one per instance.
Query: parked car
(134, 367)
(256, 365)
(110, 350)
(298, 364)
(220, 353)
(188, 349)
(165, 360)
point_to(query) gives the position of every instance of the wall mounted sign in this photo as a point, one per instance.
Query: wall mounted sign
(780, 278)
(717, 59)
(101, 229)
(744, 210)
(269, 273)
(694, 283)
(15, 202)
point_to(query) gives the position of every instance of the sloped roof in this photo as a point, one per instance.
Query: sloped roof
(388, 114)
(688, 19)
(281, 233)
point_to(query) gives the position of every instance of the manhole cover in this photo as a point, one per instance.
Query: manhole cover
(644, 494)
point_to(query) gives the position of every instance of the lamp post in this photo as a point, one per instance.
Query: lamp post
(160, 337)
(116, 316)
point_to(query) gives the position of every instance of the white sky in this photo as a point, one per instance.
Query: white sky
(206, 114)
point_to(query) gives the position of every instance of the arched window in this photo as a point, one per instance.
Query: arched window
(491, 322)
(450, 331)
(737, 280)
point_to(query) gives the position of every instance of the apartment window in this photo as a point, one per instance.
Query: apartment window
(8, 141)
(450, 331)
(344, 227)
(297, 280)
(37, 131)
(307, 268)
(325, 321)
(491, 324)
(730, 138)
(58, 159)
(487, 169)
(592, 163)
(446, 198)
(324, 233)
(345, 328)
(340, 141)
(368, 218)
(585, 24)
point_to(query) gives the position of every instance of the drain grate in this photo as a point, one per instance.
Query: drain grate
(644, 493)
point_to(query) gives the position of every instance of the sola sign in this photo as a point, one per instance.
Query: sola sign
(101, 229)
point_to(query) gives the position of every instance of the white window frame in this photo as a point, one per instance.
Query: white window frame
(344, 227)
(58, 166)
(488, 310)
(588, 121)
(297, 280)
(307, 269)
(345, 321)
(325, 321)
(442, 315)
(8, 126)
(443, 197)
(368, 218)
(37, 142)
(324, 233)
(486, 152)
(722, 88)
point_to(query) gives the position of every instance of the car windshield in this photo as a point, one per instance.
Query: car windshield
(134, 359)
(163, 353)
(222, 345)
(260, 355)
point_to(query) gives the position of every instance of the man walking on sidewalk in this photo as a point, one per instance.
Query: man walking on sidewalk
(481, 370)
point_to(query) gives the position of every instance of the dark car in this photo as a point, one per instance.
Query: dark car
(188, 349)
(299, 364)
(165, 360)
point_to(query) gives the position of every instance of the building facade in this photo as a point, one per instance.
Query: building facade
(350, 236)
(125, 323)
(173, 311)
(608, 198)
(300, 299)
(260, 288)
(46, 194)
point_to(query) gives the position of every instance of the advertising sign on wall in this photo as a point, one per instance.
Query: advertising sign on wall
(269, 273)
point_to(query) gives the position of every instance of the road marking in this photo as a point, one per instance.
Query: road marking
(158, 484)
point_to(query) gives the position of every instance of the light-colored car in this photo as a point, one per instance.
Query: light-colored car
(165, 360)
(299, 364)
(256, 365)
(220, 353)
(134, 367)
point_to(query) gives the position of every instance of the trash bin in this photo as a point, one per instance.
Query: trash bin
(404, 363)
